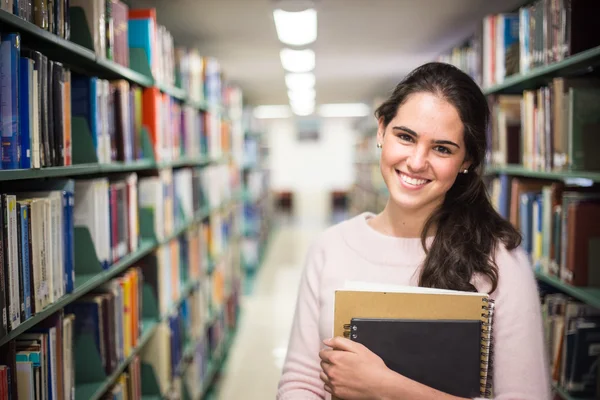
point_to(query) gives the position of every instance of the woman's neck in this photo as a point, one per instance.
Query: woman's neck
(394, 221)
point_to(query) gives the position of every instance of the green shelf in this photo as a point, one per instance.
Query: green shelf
(94, 391)
(83, 285)
(175, 92)
(198, 105)
(95, 168)
(588, 295)
(552, 175)
(116, 71)
(577, 64)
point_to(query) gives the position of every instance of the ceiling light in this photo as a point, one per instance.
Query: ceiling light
(297, 60)
(296, 28)
(300, 95)
(300, 81)
(303, 109)
(266, 112)
(344, 110)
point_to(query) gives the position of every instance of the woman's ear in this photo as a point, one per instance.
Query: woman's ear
(380, 131)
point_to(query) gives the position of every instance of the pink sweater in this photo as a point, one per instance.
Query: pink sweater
(353, 251)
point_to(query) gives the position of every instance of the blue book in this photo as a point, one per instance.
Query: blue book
(140, 36)
(526, 215)
(25, 111)
(69, 255)
(84, 103)
(23, 221)
(10, 54)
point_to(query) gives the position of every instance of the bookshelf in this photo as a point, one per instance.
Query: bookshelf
(576, 64)
(565, 176)
(182, 275)
(84, 59)
(535, 167)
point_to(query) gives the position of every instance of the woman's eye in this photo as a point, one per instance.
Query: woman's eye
(404, 137)
(443, 150)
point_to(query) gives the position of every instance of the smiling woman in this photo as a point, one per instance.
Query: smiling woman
(439, 230)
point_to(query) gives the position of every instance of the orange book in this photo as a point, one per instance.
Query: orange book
(142, 13)
(135, 299)
(125, 283)
(151, 120)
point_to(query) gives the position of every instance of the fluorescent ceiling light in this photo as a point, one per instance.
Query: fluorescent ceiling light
(344, 110)
(300, 95)
(296, 28)
(300, 81)
(297, 60)
(303, 109)
(276, 111)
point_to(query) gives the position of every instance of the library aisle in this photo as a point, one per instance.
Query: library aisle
(253, 367)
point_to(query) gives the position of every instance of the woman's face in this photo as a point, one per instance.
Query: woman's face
(423, 151)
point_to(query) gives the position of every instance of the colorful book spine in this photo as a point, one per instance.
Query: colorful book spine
(23, 221)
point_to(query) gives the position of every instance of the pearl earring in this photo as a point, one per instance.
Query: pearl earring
(465, 171)
(379, 145)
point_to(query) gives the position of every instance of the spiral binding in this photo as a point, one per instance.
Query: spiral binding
(348, 328)
(487, 348)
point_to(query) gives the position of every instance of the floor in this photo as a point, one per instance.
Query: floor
(255, 359)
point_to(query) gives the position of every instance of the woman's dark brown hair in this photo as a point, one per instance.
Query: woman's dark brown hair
(468, 228)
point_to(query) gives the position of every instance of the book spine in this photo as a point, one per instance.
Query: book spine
(9, 108)
(25, 111)
(4, 282)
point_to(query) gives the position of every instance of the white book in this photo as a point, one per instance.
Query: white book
(151, 196)
(25, 380)
(10, 215)
(132, 191)
(35, 123)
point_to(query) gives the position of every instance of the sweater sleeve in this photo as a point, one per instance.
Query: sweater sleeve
(300, 375)
(520, 366)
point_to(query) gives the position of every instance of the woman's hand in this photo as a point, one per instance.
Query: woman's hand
(351, 371)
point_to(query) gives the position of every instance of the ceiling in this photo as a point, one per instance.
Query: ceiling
(363, 48)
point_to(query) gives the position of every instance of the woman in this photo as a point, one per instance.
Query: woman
(432, 132)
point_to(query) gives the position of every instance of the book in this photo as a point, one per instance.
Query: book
(442, 354)
(391, 302)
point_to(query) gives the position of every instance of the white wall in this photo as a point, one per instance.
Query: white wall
(321, 166)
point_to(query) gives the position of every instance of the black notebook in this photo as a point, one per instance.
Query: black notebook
(442, 354)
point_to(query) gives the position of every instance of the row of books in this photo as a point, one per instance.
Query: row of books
(50, 15)
(536, 34)
(110, 319)
(105, 326)
(108, 208)
(127, 28)
(37, 252)
(40, 364)
(40, 98)
(550, 128)
(35, 100)
(572, 331)
(558, 224)
(37, 264)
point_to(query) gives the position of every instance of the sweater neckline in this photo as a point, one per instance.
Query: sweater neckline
(379, 248)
